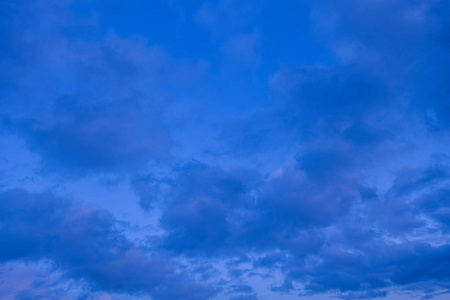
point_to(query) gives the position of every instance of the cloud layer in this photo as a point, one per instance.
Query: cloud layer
(272, 151)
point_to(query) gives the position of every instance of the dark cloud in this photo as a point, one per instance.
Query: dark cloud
(435, 205)
(85, 100)
(336, 182)
(82, 136)
(292, 197)
(404, 42)
(324, 233)
(199, 207)
(84, 243)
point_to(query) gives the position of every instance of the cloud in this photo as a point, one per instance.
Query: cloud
(21, 282)
(334, 180)
(328, 97)
(408, 47)
(321, 231)
(86, 101)
(84, 244)
(84, 136)
(358, 209)
(198, 205)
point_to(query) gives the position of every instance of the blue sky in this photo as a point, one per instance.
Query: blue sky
(226, 149)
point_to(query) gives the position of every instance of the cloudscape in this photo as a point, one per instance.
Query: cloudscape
(224, 149)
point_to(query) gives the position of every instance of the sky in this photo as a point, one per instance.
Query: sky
(224, 149)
